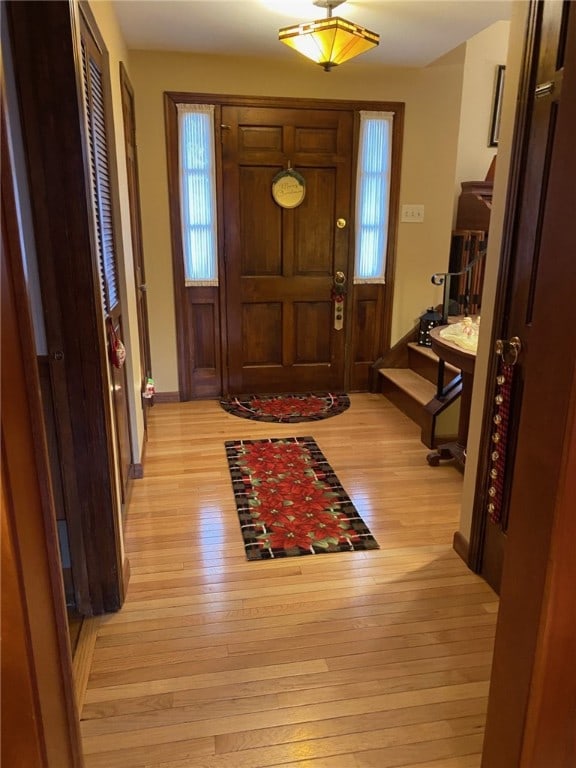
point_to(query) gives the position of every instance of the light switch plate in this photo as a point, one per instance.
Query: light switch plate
(413, 214)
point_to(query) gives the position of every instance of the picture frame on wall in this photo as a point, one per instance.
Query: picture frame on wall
(497, 106)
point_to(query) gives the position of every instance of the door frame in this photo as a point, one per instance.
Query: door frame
(127, 92)
(192, 381)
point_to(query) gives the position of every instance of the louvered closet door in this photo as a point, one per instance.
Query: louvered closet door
(95, 111)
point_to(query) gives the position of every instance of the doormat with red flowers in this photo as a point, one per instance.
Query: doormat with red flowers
(287, 409)
(290, 501)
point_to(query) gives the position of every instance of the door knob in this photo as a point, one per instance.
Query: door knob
(339, 278)
(340, 223)
(339, 283)
(509, 350)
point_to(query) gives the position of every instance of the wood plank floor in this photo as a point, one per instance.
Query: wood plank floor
(351, 660)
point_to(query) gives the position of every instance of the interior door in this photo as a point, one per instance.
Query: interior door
(281, 262)
(97, 113)
(128, 111)
(532, 703)
(39, 716)
(544, 92)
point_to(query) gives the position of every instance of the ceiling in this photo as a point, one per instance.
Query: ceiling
(412, 32)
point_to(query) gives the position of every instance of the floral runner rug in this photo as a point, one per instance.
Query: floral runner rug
(287, 408)
(290, 502)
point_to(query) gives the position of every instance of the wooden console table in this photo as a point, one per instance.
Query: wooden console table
(465, 361)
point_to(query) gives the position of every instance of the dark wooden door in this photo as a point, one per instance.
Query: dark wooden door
(46, 60)
(532, 703)
(39, 716)
(543, 97)
(128, 111)
(281, 262)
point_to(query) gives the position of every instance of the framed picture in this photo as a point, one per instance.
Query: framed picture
(497, 106)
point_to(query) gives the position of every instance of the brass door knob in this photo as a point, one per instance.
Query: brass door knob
(509, 349)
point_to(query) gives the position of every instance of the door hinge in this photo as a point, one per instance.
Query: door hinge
(544, 89)
(223, 127)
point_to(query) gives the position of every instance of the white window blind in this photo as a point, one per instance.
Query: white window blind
(198, 193)
(373, 196)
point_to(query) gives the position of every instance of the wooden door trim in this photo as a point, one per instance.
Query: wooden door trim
(46, 61)
(136, 239)
(282, 102)
(179, 287)
(171, 99)
(29, 519)
(509, 234)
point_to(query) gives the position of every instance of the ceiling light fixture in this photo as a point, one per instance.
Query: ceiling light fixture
(330, 41)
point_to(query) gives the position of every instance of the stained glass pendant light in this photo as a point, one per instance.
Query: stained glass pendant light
(330, 41)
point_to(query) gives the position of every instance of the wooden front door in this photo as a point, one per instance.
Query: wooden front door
(281, 262)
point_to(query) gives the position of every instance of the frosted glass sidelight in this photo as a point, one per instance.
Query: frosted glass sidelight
(198, 194)
(373, 196)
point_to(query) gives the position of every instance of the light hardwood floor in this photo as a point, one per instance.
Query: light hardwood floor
(350, 660)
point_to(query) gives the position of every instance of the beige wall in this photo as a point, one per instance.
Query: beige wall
(432, 97)
(110, 31)
(484, 52)
(513, 64)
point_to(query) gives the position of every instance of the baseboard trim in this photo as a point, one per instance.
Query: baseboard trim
(126, 570)
(167, 397)
(125, 579)
(135, 471)
(82, 661)
(461, 546)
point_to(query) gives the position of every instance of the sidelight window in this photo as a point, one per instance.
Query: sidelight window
(373, 196)
(198, 193)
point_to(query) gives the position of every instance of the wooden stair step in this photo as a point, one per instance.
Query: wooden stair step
(419, 388)
(429, 353)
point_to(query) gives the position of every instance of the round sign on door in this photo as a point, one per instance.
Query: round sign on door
(288, 188)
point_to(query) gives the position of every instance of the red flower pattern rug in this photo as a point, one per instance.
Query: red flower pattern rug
(290, 502)
(287, 409)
